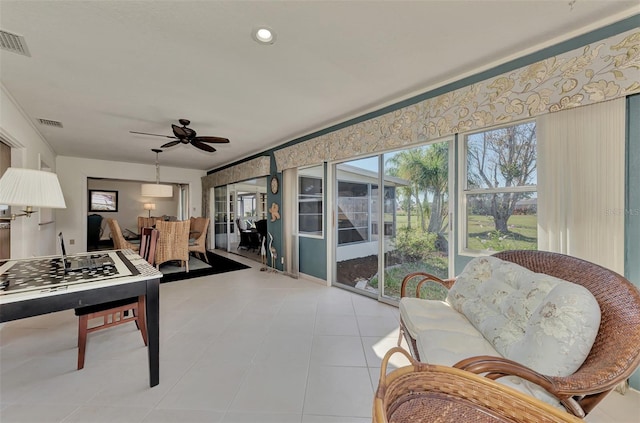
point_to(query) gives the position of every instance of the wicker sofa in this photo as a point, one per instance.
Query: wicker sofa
(508, 317)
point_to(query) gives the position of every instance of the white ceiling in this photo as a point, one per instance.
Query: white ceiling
(103, 68)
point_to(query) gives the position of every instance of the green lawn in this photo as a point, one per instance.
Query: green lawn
(523, 233)
(482, 236)
(393, 278)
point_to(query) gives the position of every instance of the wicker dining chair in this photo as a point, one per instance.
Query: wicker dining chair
(615, 353)
(119, 243)
(198, 236)
(117, 312)
(147, 222)
(173, 242)
(425, 393)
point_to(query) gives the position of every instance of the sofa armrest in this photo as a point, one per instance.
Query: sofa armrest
(497, 367)
(422, 278)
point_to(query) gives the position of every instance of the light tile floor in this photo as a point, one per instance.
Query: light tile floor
(244, 346)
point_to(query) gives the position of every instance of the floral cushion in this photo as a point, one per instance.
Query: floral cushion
(540, 321)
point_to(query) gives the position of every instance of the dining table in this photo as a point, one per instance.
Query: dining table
(40, 285)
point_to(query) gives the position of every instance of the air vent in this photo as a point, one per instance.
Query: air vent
(48, 122)
(14, 43)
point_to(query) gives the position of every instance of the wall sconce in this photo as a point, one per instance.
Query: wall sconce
(157, 190)
(30, 188)
(149, 206)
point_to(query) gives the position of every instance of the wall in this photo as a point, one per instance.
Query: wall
(73, 173)
(632, 204)
(130, 204)
(29, 148)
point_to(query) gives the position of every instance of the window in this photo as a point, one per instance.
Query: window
(389, 211)
(353, 212)
(310, 202)
(246, 204)
(500, 192)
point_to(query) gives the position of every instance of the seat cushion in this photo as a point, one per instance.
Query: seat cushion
(447, 347)
(419, 315)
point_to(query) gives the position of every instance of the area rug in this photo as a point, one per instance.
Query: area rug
(217, 264)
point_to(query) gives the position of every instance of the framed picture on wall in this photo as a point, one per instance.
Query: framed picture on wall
(103, 201)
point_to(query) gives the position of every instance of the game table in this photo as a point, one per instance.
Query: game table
(39, 285)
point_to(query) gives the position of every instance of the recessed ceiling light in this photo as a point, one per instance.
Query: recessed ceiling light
(264, 35)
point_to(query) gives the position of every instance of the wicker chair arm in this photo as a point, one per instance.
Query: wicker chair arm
(497, 367)
(423, 278)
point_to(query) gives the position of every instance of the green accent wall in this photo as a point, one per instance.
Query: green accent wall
(313, 257)
(275, 228)
(632, 202)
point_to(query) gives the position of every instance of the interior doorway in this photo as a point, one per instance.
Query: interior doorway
(238, 208)
(5, 225)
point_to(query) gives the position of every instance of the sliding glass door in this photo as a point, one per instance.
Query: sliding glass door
(416, 215)
(391, 218)
(221, 218)
(356, 249)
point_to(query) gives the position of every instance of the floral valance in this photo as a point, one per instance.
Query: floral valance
(598, 72)
(250, 169)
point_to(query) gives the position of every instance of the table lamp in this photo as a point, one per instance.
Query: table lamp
(149, 206)
(30, 188)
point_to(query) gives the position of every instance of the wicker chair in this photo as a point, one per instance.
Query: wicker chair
(119, 242)
(425, 393)
(173, 243)
(615, 353)
(146, 222)
(198, 227)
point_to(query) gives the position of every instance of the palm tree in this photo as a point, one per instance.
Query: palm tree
(427, 170)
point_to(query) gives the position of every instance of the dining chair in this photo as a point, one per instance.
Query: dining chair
(173, 242)
(147, 222)
(115, 313)
(94, 231)
(119, 242)
(198, 236)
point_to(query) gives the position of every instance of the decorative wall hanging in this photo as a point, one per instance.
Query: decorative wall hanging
(103, 201)
(275, 212)
(275, 184)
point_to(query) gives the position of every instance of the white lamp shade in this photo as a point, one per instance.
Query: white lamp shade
(149, 206)
(157, 190)
(29, 187)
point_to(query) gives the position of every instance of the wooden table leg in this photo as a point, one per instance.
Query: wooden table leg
(152, 303)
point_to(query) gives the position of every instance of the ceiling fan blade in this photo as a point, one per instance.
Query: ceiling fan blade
(217, 140)
(179, 132)
(202, 146)
(170, 144)
(155, 135)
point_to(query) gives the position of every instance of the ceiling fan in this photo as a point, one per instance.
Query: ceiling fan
(185, 135)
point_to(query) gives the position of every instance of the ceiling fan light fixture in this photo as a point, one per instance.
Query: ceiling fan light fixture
(264, 35)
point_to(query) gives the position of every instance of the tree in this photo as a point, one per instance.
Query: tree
(427, 170)
(502, 158)
(436, 179)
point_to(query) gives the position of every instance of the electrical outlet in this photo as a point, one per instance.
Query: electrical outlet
(72, 241)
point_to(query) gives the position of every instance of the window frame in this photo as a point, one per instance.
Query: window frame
(318, 198)
(465, 192)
